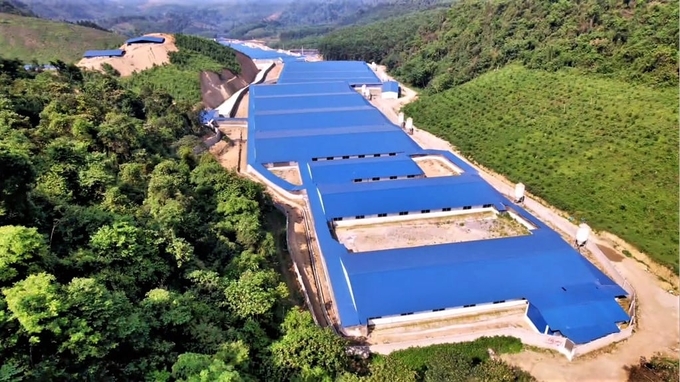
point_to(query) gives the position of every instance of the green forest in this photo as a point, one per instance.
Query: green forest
(576, 100)
(180, 77)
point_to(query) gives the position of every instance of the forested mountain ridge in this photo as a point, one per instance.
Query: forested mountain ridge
(578, 100)
(633, 40)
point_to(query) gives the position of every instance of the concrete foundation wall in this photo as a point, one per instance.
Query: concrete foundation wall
(446, 313)
(414, 215)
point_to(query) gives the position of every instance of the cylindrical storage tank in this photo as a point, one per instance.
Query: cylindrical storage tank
(519, 191)
(582, 234)
(409, 123)
(401, 118)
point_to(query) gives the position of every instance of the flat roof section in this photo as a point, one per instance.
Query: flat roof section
(309, 102)
(409, 195)
(104, 53)
(303, 88)
(346, 171)
(315, 119)
(303, 149)
(353, 72)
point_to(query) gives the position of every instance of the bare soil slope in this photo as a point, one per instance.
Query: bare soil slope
(137, 57)
(217, 88)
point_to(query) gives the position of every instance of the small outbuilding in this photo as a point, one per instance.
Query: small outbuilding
(391, 90)
(104, 53)
(145, 40)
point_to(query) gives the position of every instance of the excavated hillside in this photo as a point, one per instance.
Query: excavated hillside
(138, 57)
(218, 87)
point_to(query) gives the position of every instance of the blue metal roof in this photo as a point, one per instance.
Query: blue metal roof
(104, 53)
(145, 40)
(305, 88)
(390, 86)
(259, 54)
(353, 72)
(408, 195)
(302, 119)
(345, 171)
(299, 103)
(346, 141)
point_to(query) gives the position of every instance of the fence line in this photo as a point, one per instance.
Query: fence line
(298, 275)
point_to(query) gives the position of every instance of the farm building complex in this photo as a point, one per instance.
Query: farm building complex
(357, 168)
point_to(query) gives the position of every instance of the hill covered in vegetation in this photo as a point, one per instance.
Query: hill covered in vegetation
(33, 39)
(576, 100)
(182, 75)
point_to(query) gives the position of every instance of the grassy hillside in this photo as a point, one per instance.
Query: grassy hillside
(604, 150)
(180, 78)
(30, 38)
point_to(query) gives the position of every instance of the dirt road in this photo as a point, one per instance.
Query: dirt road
(657, 314)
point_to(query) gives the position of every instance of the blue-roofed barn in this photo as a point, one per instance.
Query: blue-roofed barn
(145, 40)
(391, 90)
(104, 53)
(356, 164)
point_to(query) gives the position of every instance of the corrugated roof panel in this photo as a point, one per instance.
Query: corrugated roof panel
(319, 120)
(104, 53)
(345, 171)
(309, 102)
(302, 149)
(354, 72)
(316, 88)
(407, 195)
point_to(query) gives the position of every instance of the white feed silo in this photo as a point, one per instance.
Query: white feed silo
(374, 66)
(364, 91)
(519, 192)
(582, 234)
(409, 124)
(401, 119)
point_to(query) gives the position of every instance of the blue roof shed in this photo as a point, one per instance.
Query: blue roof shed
(390, 86)
(104, 53)
(145, 40)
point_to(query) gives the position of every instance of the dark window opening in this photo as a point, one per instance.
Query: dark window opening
(406, 314)
(362, 156)
(360, 217)
(437, 310)
(315, 159)
(469, 306)
(467, 207)
(329, 158)
(345, 157)
(425, 211)
(393, 177)
(403, 213)
(447, 209)
(376, 155)
(376, 179)
(410, 176)
(487, 206)
(499, 302)
(382, 215)
(392, 154)
(357, 180)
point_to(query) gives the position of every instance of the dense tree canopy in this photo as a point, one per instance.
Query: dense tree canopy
(633, 40)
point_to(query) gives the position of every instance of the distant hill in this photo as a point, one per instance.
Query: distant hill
(31, 38)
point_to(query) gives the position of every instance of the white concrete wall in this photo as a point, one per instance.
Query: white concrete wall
(389, 95)
(442, 160)
(268, 183)
(415, 215)
(447, 313)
